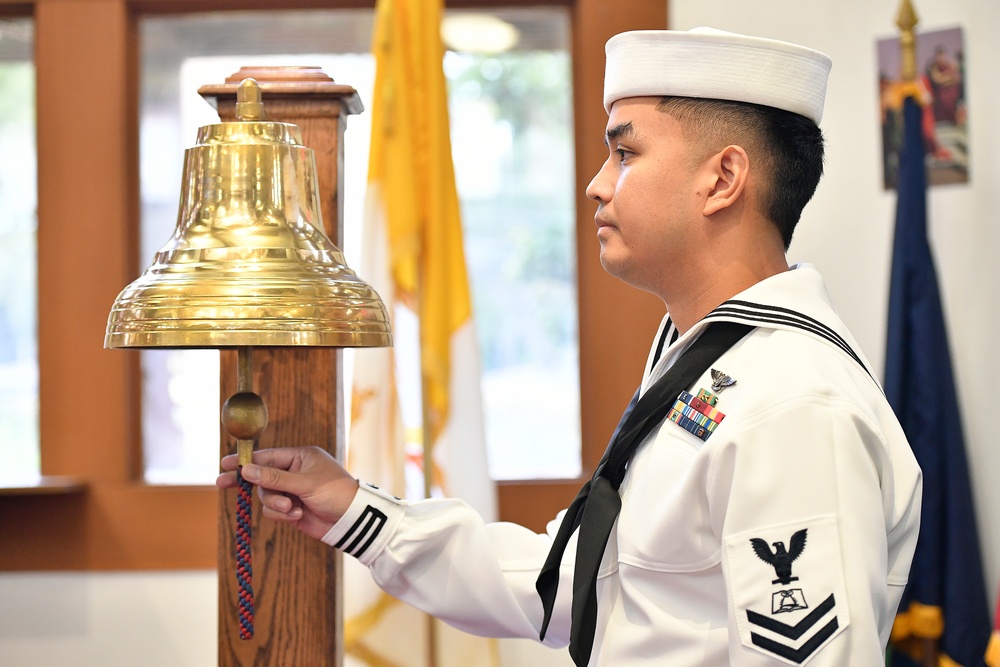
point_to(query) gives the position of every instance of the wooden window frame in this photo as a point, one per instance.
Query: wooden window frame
(87, 74)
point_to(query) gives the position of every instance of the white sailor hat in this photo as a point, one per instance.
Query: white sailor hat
(713, 64)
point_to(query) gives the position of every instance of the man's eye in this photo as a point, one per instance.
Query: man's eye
(621, 153)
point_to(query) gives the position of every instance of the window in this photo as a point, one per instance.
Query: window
(19, 442)
(87, 413)
(513, 148)
(512, 134)
(180, 422)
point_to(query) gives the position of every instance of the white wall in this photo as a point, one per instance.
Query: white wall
(153, 619)
(847, 229)
(169, 619)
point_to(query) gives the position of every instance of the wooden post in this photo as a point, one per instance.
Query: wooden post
(296, 580)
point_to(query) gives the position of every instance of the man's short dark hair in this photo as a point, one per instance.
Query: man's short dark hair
(788, 146)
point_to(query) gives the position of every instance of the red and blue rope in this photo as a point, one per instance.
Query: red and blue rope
(244, 567)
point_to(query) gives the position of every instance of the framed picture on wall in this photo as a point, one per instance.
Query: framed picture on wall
(941, 76)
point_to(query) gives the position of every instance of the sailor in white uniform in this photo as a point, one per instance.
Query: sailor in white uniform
(766, 512)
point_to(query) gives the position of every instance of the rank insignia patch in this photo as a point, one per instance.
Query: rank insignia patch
(792, 624)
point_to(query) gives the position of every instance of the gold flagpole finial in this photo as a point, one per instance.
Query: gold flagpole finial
(907, 20)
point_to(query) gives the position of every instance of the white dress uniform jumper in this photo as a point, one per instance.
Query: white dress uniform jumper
(769, 519)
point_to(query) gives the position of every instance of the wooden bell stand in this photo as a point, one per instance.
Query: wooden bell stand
(296, 580)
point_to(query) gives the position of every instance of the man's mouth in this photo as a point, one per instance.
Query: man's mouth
(603, 221)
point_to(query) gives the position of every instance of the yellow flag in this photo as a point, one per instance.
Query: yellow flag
(413, 256)
(411, 163)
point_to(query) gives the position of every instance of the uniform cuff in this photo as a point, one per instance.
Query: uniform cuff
(367, 525)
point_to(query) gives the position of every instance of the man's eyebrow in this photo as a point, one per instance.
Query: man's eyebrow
(618, 131)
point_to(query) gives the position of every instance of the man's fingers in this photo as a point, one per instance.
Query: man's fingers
(289, 517)
(278, 480)
(279, 457)
(274, 500)
(284, 458)
(226, 480)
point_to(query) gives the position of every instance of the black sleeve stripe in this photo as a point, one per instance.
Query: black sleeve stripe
(369, 525)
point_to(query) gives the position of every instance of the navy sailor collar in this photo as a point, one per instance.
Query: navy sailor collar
(805, 308)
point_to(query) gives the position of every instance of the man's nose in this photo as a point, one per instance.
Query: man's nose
(600, 186)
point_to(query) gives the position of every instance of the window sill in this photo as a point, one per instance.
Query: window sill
(43, 485)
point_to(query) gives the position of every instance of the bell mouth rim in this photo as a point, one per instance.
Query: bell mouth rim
(319, 313)
(160, 340)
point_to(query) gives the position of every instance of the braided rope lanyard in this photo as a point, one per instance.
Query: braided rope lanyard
(244, 417)
(244, 563)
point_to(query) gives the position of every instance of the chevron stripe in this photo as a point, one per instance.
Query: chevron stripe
(792, 631)
(799, 655)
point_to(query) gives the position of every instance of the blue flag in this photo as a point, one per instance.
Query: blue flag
(946, 596)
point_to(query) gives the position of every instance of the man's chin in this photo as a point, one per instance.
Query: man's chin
(619, 267)
(613, 264)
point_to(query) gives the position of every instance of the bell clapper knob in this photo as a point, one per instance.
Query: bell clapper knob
(244, 416)
(248, 102)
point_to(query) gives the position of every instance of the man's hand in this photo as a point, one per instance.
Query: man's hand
(303, 486)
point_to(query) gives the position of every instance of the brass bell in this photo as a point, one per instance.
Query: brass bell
(249, 263)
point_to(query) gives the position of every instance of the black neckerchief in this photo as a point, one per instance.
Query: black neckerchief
(598, 504)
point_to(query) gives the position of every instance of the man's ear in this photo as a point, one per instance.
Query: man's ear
(730, 169)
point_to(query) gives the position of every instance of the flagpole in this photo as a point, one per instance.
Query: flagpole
(428, 460)
(906, 20)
